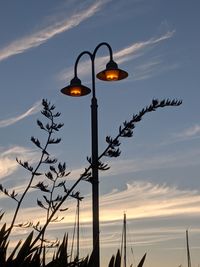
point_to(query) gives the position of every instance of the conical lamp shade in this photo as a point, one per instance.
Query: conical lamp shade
(112, 73)
(75, 88)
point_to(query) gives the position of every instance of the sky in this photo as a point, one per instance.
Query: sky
(155, 181)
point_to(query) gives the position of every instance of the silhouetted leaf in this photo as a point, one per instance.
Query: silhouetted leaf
(41, 186)
(63, 209)
(40, 204)
(1, 215)
(49, 160)
(112, 260)
(142, 261)
(10, 258)
(57, 114)
(47, 200)
(40, 124)
(61, 167)
(37, 173)
(36, 142)
(118, 259)
(61, 184)
(25, 165)
(52, 168)
(25, 250)
(54, 141)
(49, 175)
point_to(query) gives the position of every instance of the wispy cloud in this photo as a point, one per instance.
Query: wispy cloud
(146, 70)
(146, 200)
(146, 163)
(155, 162)
(189, 133)
(8, 163)
(33, 110)
(124, 55)
(152, 68)
(139, 199)
(129, 52)
(7, 166)
(43, 35)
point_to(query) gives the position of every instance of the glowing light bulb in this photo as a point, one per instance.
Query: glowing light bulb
(75, 91)
(112, 75)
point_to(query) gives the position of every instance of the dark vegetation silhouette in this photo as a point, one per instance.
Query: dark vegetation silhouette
(55, 192)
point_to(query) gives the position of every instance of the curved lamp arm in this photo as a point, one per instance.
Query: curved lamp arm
(77, 61)
(103, 44)
(110, 73)
(92, 55)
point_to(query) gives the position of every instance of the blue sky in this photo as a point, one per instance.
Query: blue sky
(156, 178)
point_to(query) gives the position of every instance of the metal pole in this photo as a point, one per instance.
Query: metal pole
(95, 172)
(94, 144)
(124, 239)
(95, 169)
(78, 214)
(188, 250)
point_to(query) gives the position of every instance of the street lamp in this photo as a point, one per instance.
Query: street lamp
(76, 89)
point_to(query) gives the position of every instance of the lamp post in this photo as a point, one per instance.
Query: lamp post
(76, 89)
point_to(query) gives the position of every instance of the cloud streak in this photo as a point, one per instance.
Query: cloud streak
(162, 161)
(128, 53)
(33, 110)
(124, 55)
(146, 163)
(43, 35)
(190, 132)
(152, 68)
(139, 199)
(147, 200)
(8, 163)
(7, 166)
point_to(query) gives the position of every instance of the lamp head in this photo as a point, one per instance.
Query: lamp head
(75, 88)
(112, 72)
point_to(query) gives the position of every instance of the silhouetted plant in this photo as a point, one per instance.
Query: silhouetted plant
(142, 261)
(49, 201)
(112, 150)
(50, 128)
(115, 261)
(24, 255)
(30, 253)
